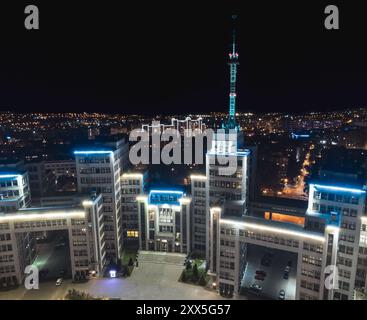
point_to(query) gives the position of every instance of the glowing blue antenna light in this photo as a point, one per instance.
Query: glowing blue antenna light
(233, 62)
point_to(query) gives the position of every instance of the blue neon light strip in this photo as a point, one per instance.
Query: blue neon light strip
(167, 191)
(334, 188)
(16, 198)
(9, 175)
(93, 152)
(160, 197)
(238, 153)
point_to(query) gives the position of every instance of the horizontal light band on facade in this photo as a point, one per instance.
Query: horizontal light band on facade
(335, 188)
(12, 199)
(9, 176)
(93, 152)
(132, 175)
(332, 228)
(229, 154)
(184, 200)
(166, 191)
(41, 216)
(274, 229)
(197, 177)
(87, 203)
(141, 198)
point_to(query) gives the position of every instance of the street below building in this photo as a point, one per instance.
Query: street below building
(274, 270)
(53, 256)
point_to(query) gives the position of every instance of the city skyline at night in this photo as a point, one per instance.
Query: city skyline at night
(156, 60)
(183, 154)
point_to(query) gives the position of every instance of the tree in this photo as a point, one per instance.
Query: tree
(202, 280)
(131, 262)
(188, 265)
(183, 276)
(195, 273)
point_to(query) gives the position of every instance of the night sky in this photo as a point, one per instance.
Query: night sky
(171, 57)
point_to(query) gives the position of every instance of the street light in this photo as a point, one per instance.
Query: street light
(112, 273)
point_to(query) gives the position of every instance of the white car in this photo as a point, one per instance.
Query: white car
(281, 295)
(59, 282)
(256, 288)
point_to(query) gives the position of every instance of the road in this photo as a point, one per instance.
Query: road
(297, 191)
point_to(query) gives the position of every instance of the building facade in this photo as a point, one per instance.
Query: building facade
(198, 214)
(99, 170)
(329, 247)
(132, 185)
(84, 224)
(164, 221)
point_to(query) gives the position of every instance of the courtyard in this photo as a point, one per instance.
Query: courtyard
(155, 278)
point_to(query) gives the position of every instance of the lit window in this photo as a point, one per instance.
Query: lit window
(132, 234)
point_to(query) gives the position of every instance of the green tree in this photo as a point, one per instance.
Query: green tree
(202, 280)
(131, 262)
(183, 276)
(188, 265)
(195, 273)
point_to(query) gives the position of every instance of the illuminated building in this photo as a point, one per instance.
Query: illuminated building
(98, 170)
(14, 195)
(164, 221)
(333, 235)
(199, 216)
(196, 125)
(342, 206)
(14, 189)
(84, 224)
(325, 245)
(132, 185)
(229, 181)
(14, 186)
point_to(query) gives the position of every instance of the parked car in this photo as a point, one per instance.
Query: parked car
(281, 295)
(59, 282)
(256, 288)
(259, 277)
(261, 272)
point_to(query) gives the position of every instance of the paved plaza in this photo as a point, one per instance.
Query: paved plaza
(156, 278)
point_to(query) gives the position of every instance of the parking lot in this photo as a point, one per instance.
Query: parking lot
(272, 280)
(53, 256)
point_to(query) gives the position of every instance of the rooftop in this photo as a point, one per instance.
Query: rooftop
(275, 226)
(46, 213)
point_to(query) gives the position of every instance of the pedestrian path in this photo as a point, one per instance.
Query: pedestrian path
(161, 257)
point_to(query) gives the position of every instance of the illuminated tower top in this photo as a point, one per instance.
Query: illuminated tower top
(233, 62)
